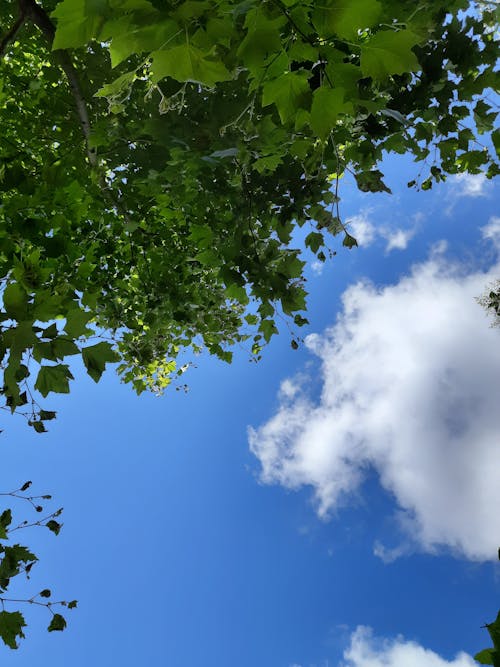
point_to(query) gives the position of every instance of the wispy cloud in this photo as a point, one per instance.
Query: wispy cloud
(491, 231)
(365, 650)
(410, 388)
(366, 233)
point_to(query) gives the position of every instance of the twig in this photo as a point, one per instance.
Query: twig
(39, 17)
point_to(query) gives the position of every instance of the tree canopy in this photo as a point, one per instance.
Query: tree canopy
(157, 157)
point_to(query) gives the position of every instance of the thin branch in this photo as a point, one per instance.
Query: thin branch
(30, 9)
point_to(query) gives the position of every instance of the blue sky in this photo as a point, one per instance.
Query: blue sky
(277, 511)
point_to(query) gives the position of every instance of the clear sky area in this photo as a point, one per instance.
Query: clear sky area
(335, 505)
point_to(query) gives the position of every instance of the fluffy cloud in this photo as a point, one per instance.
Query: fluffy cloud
(362, 229)
(367, 651)
(410, 388)
(470, 185)
(365, 232)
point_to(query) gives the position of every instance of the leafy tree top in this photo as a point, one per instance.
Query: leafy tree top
(156, 158)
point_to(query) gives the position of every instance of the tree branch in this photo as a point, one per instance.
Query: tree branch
(31, 10)
(11, 34)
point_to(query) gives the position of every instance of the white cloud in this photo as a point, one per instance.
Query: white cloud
(317, 267)
(491, 231)
(365, 232)
(368, 651)
(470, 185)
(410, 387)
(362, 229)
(388, 555)
(399, 239)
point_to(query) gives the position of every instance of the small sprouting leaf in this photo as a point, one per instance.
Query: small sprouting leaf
(294, 345)
(300, 321)
(72, 604)
(46, 593)
(11, 627)
(39, 508)
(25, 486)
(58, 622)
(54, 526)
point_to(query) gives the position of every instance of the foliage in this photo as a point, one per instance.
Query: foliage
(158, 157)
(490, 301)
(491, 656)
(15, 560)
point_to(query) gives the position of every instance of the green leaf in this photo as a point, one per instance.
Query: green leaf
(45, 593)
(315, 241)
(58, 623)
(15, 301)
(371, 181)
(389, 52)
(345, 17)
(54, 526)
(5, 521)
(95, 358)
(485, 657)
(263, 37)
(14, 557)
(11, 627)
(47, 415)
(128, 38)
(484, 116)
(75, 26)
(50, 331)
(118, 90)
(76, 321)
(53, 378)
(288, 92)
(328, 104)
(63, 347)
(349, 241)
(39, 426)
(187, 63)
(494, 631)
(268, 329)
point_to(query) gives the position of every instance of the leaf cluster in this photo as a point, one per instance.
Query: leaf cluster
(15, 560)
(159, 158)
